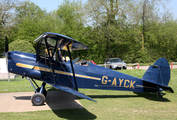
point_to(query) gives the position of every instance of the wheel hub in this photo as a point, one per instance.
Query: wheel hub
(37, 99)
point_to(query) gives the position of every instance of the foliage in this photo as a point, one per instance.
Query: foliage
(132, 30)
(6, 20)
(71, 23)
(29, 21)
(21, 45)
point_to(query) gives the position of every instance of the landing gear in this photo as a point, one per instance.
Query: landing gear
(44, 92)
(160, 95)
(40, 93)
(158, 90)
(38, 99)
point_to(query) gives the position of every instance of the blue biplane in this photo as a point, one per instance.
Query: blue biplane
(47, 67)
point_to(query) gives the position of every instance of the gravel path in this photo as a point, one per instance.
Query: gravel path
(21, 102)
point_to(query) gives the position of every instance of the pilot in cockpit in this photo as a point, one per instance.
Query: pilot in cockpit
(60, 58)
(84, 63)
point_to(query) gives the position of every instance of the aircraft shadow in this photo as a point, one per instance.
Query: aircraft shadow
(75, 114)
(66, 106)
(149, 96)
(152, 96)
(22, 98)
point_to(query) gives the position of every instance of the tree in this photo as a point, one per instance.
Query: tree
(130, 29)
(21, 45)
(109, 18)
(28, 10)
(29, 21)
(6, 19)
(146, 13)
(70, 14)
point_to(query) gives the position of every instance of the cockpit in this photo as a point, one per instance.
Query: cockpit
(49, 45)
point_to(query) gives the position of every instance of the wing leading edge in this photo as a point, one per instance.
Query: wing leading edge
(72, 91)
(64, 41)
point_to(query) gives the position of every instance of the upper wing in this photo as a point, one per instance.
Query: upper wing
(63, 41)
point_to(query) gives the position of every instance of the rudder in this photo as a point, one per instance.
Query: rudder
(159, 72)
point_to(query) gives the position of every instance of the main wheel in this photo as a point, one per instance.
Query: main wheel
(38, 99)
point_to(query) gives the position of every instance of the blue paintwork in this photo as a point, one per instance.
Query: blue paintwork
(153, 73)
(107, 79)
(89, 77)
(106, 82)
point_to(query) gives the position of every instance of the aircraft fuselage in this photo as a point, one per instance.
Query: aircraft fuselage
(91, 77)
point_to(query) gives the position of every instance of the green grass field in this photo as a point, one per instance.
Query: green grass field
(110, 105)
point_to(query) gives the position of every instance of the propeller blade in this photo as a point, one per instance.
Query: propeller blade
(6, 45)
(6, 49)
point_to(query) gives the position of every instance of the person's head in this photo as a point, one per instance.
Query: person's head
(84, 62)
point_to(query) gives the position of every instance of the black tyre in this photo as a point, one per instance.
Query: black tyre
(160, 96)
(38, 99)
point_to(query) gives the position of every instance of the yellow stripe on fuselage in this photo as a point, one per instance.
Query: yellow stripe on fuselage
(24, 65)
(56, 71)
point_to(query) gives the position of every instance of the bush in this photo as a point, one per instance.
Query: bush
(143, 56)
(21, 45)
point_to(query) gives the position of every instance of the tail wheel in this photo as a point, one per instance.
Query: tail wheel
(160, 95)
(38, 99)
(158, 91)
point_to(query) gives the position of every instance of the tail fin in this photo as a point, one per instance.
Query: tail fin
(158, 73)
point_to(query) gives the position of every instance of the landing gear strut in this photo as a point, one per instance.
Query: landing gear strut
(40, 93)
(158, 90)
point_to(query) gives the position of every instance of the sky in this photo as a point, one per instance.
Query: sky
(51, 5)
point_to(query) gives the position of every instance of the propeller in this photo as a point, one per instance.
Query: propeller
(6, 50)
(6, 45)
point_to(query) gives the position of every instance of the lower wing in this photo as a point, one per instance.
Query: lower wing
(72, 91)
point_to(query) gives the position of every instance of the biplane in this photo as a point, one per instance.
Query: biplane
(48, 67)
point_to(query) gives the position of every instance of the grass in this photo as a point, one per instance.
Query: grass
(148, 64)
(18, 85)
(110, 105)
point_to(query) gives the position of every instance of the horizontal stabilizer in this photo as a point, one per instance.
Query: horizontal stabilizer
(72, 91)
(164, 87)
(167, 89)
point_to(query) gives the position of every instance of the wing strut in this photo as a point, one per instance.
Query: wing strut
(50, 60)
(72, 68)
